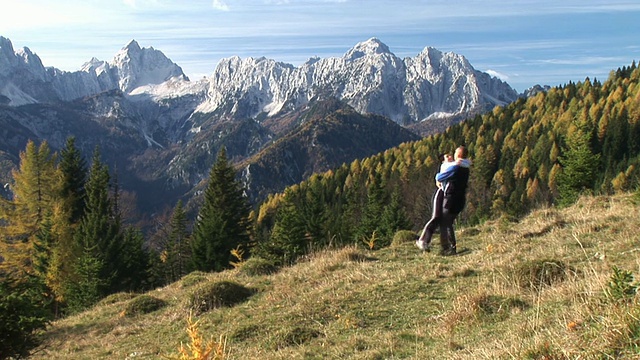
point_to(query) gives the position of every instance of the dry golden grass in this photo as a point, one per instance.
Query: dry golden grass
(400, 303)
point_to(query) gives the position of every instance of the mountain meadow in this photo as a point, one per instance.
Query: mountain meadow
(328, 268)
(557, 284)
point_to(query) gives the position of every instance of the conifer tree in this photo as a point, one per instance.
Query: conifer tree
(177, 249)
(23, 315)
(171, 254)
(394, 218)
(87, 286)
(223, 219)
(42, 247)
(60, 266)
(373, 210)
(74, 175)
(313, 212)
(579, 166)
(288, 239)
(66, 218)
(134, 272)
(98, 237)
(35, 193)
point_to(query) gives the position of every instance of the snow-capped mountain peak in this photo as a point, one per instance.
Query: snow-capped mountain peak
(369, 77)
(372, 46)
(92, 65)
(7, 56)
(24, 79)
(136, 66)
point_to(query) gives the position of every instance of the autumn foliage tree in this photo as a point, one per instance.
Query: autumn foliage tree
(35, 195)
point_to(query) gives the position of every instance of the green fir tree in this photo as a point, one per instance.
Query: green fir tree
(579, 166)
(223, 220)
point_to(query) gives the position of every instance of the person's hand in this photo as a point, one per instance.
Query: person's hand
(438, 184)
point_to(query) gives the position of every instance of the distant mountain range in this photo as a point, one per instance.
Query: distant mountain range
(162, 131)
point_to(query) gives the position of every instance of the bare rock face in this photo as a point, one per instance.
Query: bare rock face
(368, 77)
(25, 80)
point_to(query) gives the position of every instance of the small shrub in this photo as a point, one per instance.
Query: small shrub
(143, 304)
(543, 351)
(483, 308)
(116, 298)
(402, 237)
(295, 336)
(466, 272)
(493, 304)
(237, 253)
(621, 286)
(218, 294)
(370, 242)
(535, 274)
(352, 255)
(256, 266)
(193, 278)
(623, 339)
(247, 332)
(23, 314)
(198, 348)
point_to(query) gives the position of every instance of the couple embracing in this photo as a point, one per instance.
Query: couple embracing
(448, 201)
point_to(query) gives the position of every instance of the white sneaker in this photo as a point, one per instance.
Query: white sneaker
(420, 245)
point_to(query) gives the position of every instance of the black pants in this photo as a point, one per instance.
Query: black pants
(436, 213)
(447, 234)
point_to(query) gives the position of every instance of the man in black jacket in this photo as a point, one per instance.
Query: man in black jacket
(455, 189)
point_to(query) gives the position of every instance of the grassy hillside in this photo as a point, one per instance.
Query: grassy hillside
(540, 288)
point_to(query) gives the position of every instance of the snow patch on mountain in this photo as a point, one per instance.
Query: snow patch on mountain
(136, 67)
(368, 77)
(175, 87)
(131, 67)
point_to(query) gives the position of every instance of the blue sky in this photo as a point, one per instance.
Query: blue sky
(524, 42)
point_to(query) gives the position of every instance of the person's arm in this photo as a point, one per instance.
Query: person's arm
(443, 176)
(465, 163)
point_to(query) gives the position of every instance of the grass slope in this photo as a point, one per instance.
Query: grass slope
(535, 289)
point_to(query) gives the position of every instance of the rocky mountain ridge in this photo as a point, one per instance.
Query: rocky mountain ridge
(368, 77)
(25, 80)
(162, 128)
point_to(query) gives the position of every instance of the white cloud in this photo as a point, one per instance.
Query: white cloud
(582, 60)
(22, 15)
(220, 5)
(497, 74)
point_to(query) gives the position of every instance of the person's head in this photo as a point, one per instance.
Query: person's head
(442, 157)
(448, 158)
(461, 152)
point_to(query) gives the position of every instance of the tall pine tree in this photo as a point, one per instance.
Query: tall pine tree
(35, 194)
(177, 249)
(98, 238)
(288, 239)
(223, 220)
(370, 225)
(74, 176)
(73, 173)
(394, 218)
(579, 165)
